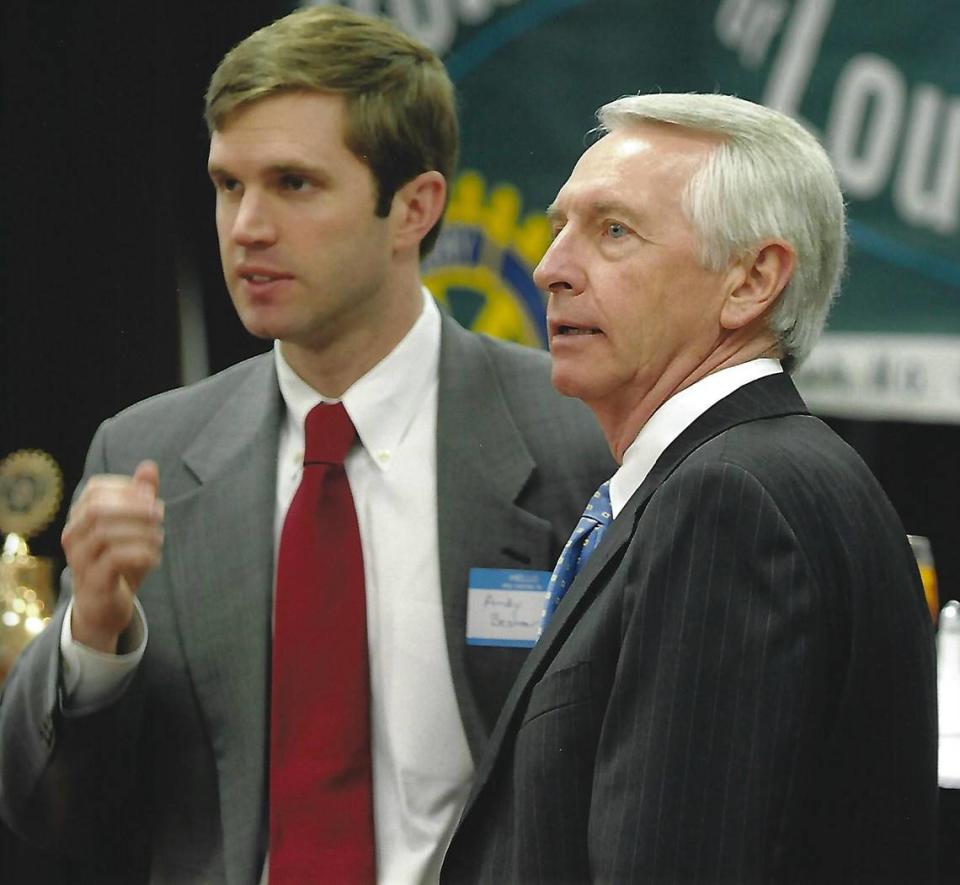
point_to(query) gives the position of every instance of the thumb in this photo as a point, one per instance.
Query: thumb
(148, 474)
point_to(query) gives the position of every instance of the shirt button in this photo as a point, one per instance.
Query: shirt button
(297, 457)
(383, 456)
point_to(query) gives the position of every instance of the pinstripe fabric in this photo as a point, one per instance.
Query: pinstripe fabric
(739, 688)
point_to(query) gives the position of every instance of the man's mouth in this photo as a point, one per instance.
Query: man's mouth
(260, 277)
(260, 274)
(576, 330)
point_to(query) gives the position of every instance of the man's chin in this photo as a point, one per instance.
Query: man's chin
(566, 382)
(262, 334)
(261, 325)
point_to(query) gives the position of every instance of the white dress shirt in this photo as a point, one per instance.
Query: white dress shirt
(421, 761)
(675, 416)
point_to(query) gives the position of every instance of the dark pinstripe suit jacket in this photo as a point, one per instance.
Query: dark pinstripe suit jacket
(739, 687)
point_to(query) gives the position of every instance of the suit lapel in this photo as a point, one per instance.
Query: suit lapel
(483, 464)
(222, 580)
(768, 397)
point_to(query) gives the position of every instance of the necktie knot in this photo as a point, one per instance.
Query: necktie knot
(329, 433)
(598, 507)
(597, 515)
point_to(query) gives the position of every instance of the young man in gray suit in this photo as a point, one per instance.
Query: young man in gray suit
(738, 685)
(135, 732)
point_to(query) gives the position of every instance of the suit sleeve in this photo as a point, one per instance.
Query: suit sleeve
(720, 679)
(67, 781)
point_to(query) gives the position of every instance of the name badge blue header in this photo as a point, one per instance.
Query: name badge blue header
(505, 606)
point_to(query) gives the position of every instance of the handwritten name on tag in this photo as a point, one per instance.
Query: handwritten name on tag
(504, 606)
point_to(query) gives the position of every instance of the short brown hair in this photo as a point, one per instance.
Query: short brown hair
(401, 113)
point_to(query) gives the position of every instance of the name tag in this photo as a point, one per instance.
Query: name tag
(504, 606)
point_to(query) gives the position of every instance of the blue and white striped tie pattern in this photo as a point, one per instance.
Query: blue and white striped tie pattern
(584, 540)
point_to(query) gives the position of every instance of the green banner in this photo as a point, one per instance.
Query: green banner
(878, 83)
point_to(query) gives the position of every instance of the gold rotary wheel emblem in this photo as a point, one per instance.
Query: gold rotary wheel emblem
(31, 489)
(480, 270)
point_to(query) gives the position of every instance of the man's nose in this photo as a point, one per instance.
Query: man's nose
(559, 270)
(253, 224)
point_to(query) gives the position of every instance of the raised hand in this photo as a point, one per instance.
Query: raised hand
(113, 538)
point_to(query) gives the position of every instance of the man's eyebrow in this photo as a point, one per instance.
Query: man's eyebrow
(215, 170)
(598, 208)
(295, 168)
(616, 208)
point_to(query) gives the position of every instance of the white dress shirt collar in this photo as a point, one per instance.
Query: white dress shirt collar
(675, 416)
(382, 404)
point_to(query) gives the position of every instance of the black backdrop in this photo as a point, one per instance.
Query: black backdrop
(104, 190)
(102, 163)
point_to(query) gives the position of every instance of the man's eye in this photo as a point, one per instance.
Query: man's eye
(616, 230)
(229, 184)
(293, 182)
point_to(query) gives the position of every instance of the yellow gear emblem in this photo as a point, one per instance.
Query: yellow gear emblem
(480, 270)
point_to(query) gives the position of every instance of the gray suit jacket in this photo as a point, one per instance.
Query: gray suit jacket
(739, 687)
(168, 784)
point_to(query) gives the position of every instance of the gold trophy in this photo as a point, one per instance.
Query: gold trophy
(31, 489)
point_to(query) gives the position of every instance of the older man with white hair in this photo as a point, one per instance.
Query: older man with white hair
(735, 680)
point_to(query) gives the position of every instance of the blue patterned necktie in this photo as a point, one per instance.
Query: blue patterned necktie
(584, 540)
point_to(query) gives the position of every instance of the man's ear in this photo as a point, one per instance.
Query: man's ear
(756, 283)
(416, 208)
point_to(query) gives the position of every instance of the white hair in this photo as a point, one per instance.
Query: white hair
(768, 178)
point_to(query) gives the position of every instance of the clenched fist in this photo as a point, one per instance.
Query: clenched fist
(112, 540)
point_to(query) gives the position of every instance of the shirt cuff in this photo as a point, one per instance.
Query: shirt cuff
(93, 679)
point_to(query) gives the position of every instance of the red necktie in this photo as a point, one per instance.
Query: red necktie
(321, 800)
